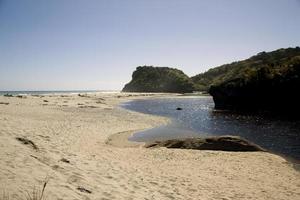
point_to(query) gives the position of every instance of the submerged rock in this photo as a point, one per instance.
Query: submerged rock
(221, 143)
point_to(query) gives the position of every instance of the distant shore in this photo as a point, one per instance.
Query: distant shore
(67, 138)
(54, 92)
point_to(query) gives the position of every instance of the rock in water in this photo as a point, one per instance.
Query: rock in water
(221, 143)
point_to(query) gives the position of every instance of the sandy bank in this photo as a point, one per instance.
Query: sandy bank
(71, 134)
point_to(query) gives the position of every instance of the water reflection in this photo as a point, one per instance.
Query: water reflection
(198, 118)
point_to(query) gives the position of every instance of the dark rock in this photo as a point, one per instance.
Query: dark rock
(82, 189)
(64, 160)
(221, 143)
(84, 95)
(266, 82)
(8, 95)
(178, 108)
(27, 142)
(21, 96)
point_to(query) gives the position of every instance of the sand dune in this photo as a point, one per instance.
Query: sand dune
(71, 136)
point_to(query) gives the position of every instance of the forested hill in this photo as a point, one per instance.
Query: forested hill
(273, 64)
(159, 79)
(267, 81)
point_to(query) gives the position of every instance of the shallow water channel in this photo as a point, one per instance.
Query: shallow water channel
(199, 118)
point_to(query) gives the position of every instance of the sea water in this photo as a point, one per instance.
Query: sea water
(45, 92)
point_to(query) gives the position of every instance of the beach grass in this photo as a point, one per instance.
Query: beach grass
(35, 194)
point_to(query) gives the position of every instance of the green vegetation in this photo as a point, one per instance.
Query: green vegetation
(268, 81)
(159, 79)
(274, 64)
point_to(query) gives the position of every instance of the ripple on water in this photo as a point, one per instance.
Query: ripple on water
(198, 118)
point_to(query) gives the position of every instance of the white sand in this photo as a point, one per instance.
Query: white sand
(61, 129)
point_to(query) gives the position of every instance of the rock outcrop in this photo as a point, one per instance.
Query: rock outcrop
(159, 79)
(221, 143)
(269, 82)
(266, 82)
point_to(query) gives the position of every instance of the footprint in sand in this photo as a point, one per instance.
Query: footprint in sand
(75, 178)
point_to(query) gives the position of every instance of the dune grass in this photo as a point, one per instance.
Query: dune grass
(35, 194)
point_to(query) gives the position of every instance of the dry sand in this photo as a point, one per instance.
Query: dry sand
(89, 134)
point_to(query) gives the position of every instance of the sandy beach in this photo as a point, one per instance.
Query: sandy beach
(79, 143)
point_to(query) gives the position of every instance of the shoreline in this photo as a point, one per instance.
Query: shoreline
(71, 134)
(121, 140)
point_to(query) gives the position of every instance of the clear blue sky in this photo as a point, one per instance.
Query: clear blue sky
(72, 44)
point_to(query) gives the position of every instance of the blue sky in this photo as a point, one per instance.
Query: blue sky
(77, 44)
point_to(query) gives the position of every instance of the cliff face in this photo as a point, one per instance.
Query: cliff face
(267, 81)
(159, 79)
